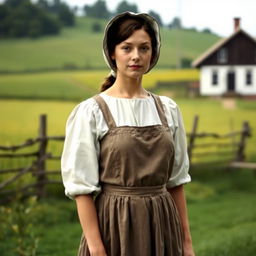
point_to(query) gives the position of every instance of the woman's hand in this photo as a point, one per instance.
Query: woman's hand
(188, 248)
(97, 251)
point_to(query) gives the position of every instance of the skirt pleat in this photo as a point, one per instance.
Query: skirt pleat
(138, 226)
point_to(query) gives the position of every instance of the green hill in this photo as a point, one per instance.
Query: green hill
(80, 48)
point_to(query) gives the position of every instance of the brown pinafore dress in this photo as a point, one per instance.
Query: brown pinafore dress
(137, 215)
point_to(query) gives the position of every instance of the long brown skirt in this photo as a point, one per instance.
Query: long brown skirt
(137, 222)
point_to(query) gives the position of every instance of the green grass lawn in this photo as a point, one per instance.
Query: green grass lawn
(74, 46)
(222, 222)
(78, 47)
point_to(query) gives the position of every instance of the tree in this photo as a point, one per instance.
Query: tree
(75, 10)
(97, 10)
(157, 17)
(35, 29)
(19, 19)
(50, 24)
(15, 3)
(4, 12)
(65, 15)
(43, 4)
(207, 31)
(176, 23)
(124, 6)
(26, 19)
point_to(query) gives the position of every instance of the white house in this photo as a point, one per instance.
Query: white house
(229, 66)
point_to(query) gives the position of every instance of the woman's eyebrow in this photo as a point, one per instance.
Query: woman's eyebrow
(124, 42)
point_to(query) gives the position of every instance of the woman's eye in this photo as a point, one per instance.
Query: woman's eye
(126, 48)
(145, 48)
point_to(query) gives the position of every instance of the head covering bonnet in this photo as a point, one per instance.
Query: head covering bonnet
(149, 20)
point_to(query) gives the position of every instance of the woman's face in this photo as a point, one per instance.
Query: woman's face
(133, 55)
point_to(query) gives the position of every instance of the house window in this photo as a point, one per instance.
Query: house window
(214, 77)
(222, 55)
(248, 77)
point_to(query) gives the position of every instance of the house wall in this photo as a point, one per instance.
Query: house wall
(207, 88)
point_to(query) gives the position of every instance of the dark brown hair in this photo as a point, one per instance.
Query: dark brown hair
(120, 31)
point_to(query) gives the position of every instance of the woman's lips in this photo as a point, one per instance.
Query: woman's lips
(135, 66)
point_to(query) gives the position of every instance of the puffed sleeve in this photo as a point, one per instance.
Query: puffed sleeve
(79, 161)
(180, 170)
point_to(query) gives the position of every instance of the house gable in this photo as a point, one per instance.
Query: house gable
(238, 49)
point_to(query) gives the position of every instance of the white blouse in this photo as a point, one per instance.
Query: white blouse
(86, 126)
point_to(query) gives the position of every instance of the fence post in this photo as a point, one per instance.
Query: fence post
(246, 132)
(41, 163)
(192, 137)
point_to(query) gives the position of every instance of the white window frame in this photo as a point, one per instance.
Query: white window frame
(222, 55)
(248, 77)
(215, 77)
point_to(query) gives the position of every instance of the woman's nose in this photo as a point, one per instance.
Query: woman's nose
(135, 54)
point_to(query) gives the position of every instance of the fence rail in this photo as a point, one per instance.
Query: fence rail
(237, 141)
(40, 176)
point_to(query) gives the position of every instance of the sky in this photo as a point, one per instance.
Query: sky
(214, 14)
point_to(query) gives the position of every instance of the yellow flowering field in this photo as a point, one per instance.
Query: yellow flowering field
(76, 85)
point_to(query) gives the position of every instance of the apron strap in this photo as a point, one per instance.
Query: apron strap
(105, 111)
(160, 109)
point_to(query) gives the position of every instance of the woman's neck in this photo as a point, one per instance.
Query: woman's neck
(127, 88)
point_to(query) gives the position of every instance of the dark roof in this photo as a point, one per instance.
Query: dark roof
(218, 45)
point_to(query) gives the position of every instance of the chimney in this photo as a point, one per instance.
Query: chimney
(236, 24)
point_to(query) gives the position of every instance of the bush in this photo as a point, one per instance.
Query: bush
(186, 63)
(18, 224)
(70, 66)
(96, 27)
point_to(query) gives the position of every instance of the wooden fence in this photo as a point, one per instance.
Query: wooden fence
(36, 167)
(224, 148)
(40, 176)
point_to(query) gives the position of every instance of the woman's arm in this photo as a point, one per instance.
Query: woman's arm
(89, 222)
(178, 195)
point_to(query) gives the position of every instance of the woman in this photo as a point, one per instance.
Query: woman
(124, 159)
